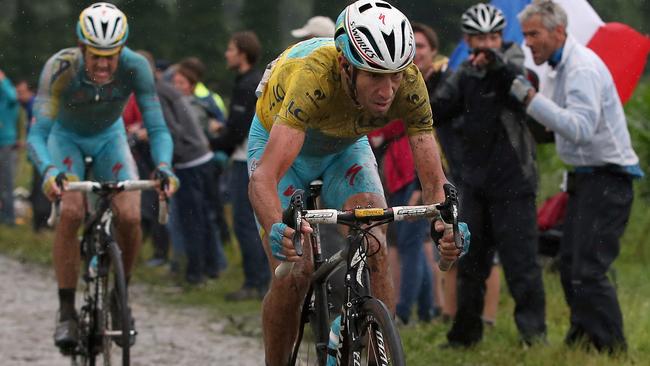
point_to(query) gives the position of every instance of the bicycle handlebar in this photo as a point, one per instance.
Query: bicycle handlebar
(109, 187)
(447, 210)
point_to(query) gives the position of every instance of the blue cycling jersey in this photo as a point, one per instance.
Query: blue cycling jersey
(67, 98)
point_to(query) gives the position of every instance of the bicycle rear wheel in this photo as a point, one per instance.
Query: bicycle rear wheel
(380, 343)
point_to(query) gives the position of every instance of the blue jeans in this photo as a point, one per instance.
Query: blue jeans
(256, 266)
(175, 235)
(194, 210)
(7, 173)
(416, 276)
(174, 227)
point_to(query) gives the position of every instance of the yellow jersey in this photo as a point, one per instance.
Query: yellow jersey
(304, 91)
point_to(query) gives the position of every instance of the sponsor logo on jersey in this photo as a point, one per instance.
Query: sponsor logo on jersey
(297, 112)
(352, 172)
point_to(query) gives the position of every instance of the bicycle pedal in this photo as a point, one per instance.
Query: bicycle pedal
(118, 333)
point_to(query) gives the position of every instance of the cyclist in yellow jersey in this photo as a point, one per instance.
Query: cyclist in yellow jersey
(319, 99)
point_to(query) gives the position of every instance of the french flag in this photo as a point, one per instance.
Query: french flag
(623, 49)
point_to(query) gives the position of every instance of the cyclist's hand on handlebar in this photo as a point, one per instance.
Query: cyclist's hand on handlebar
(445, 240)
(281, 241)
(169, 182)
(53, 183)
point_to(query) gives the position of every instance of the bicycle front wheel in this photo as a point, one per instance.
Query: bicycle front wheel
(379, 342)
(117, 329)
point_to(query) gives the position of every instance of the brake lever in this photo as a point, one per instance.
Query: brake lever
(292, 217)
(449, 213)
(55, 210)
(163, 204)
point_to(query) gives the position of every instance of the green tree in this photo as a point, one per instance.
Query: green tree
(151, 26)
(200, 32)
(330, 8)
(263, 19)
(37, 31)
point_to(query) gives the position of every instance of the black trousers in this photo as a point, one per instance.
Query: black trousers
(598, 210)
(509, 226)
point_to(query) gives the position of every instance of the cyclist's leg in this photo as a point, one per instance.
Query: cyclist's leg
(67, 155)
(68, 158)
(352, 180)
(112, 161)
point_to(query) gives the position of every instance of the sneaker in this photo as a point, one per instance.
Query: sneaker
(66, 334)
(243, 294)
(116, 320)
(156, 262)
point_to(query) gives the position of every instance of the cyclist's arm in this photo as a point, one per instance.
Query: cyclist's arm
(286, 138)
(53, 79)
(281, 150)
(7, 90)
(418, 120)
(147, 99)
(428, 166)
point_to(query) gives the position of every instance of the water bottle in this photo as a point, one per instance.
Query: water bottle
(92, 267)
(333, 345)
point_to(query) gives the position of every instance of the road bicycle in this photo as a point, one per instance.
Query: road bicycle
(103, 270)
(350, 326)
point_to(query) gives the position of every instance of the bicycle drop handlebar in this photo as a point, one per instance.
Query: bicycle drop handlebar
(108, 188)
(447, 210)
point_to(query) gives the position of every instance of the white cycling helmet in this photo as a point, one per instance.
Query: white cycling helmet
(482, 19)
(103, 28)
(375, 36)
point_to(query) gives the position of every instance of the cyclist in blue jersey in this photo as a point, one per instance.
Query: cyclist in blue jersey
(81, 96)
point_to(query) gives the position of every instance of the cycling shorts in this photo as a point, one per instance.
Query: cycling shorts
(345, 173)
(109, 149)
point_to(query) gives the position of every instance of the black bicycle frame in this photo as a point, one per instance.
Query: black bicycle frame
(323, 267)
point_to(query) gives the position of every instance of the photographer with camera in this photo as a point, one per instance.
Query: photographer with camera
(497, 178)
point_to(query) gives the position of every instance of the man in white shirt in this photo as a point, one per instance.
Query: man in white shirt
(579, 103)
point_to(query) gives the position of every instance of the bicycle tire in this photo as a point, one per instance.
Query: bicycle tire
(86, 351)
(104, 316)
(90, 319)
(119, 284)
(381, 344)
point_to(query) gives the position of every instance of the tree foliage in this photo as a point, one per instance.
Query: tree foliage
(33, 30)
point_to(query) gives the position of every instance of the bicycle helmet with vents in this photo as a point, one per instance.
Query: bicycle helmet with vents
(103, 28)
(374, 36)
(482, 19)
